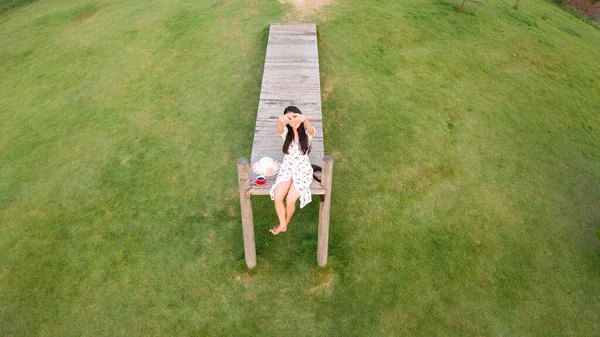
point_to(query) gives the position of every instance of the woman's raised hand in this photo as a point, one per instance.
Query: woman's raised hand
(298, 118)
(284, 119)
(292, 119)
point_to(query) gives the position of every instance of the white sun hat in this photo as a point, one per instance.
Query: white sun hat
(266, 166)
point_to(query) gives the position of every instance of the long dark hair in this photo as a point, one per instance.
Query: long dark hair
(302, 137)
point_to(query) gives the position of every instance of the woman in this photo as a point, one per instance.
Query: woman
(295, 173)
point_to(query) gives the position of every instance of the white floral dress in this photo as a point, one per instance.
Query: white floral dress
(296, 166)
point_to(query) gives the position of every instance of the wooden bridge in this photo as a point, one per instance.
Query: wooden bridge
(290, 77)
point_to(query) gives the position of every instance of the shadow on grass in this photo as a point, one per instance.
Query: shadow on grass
(8, 5)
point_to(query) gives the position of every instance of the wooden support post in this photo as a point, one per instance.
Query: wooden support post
(324, 207)
(247, 218)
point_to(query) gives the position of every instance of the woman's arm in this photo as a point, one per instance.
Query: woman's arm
(281, 122)
(309, 128)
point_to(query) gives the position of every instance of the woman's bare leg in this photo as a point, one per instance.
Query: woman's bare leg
(290, 203)
(280, 191)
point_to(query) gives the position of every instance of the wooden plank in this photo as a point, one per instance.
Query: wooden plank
(290, 77)
(254, 189)
(246, 210)
(324, 208)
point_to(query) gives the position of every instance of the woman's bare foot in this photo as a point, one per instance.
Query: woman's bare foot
(278, 229)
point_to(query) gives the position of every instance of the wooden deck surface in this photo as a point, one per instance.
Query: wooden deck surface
(290, 77)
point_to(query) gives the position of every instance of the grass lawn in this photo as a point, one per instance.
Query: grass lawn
(466, 193)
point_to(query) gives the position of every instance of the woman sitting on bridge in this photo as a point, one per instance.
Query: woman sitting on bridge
(295, 173)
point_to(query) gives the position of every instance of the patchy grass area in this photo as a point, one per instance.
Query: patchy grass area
(466, 182)
(8, 5)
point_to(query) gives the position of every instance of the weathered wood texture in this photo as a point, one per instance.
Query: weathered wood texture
(290, 77)
(247, 216)
(324, 208)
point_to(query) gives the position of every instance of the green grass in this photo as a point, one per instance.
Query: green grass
(466, 181)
